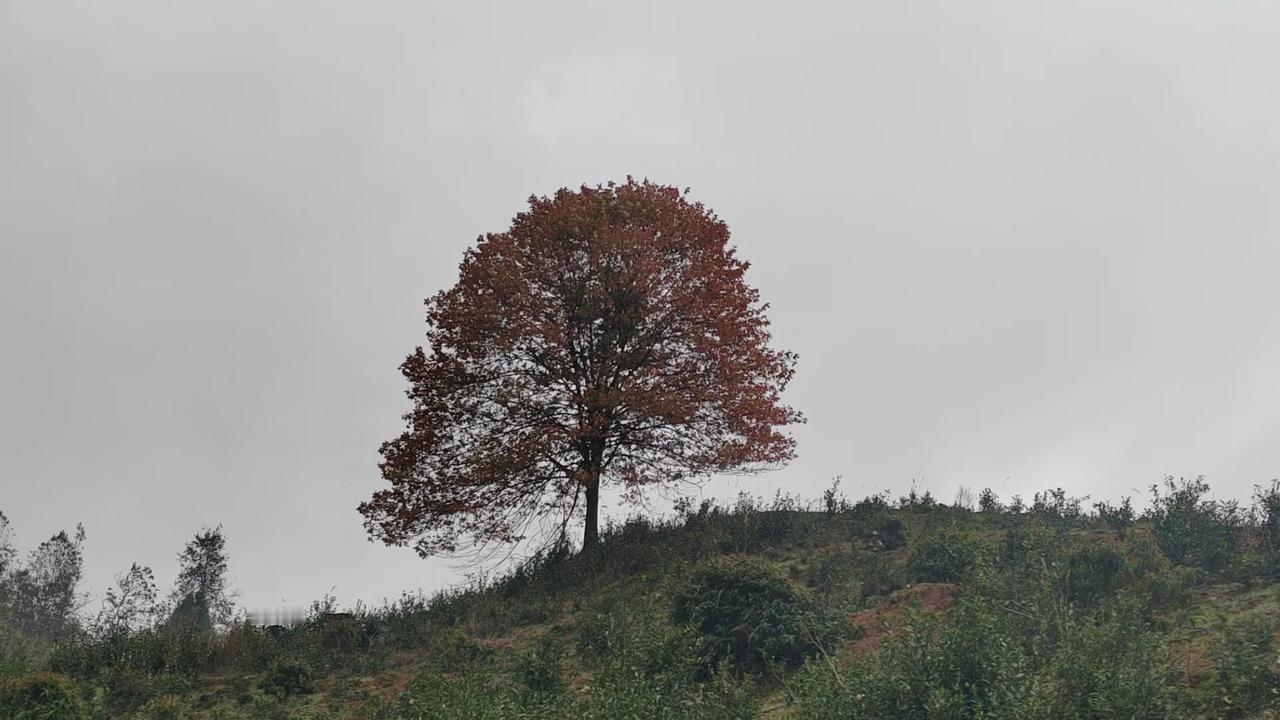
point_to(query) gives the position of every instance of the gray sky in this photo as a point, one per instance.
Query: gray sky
(1019, 245)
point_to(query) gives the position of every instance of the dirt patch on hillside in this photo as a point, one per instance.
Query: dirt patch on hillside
(389, 685)
(875, 623)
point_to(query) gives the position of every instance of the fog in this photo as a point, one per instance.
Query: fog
(1014, 247)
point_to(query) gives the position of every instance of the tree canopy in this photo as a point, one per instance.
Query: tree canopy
(609, 336)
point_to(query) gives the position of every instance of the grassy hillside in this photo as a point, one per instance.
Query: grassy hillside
(872, 609)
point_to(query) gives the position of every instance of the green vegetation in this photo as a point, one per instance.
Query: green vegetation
(778, 609)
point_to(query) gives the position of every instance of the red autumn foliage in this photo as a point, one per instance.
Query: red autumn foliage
(608, 336)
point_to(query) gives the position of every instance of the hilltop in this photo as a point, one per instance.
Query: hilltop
(776, 609)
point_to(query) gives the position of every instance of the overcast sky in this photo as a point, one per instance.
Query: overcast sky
(1015, 245)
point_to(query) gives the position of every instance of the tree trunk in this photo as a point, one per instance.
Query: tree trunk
(591, 536)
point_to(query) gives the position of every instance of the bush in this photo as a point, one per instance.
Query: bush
(165, 707)
(473, 696)
(989, 502)
(1056, 506)
(886, 529)
(19, 653)
(980, 665)
(971, 667)
(1029, 547)
(599, 635)
(830, 572)
(1245, 678)
(878, 576)
(127, 688)
(749, 616)
(540, 667)
(943, 557)
(667, 696)
(286, 679)
(644, 668)
(1108, 666)
(268, 707)
(1266, 510)
(1190, 529)
(1093, 573)
(248, 648)
(916, 502)
(451, 651)
(40, 696)
(852, 574)
(1156, 582)
(1117, 518)
(340, 636)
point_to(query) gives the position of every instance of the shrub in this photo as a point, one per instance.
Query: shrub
(599, 635)
(473, 696)
(943, 557)
(1190, 529)
(917, 502)
(860, 574)
(451, 651)
(1117, 518)
(340, 635)
(989, 502)
(832, 501)
(268, 707)
(979, 665)
(647, 669)
(287, 678)
(1245, 678)
(873, 503)
(1029, 547)
(1266, 510)
(247, 647)
(1110, 665)
(749, 616)
(1093, 573)
(878, 575)
(19, 653)
(540, 667)
(40, 696)
(1055, 505)
(165, 707)
(889, 531)
(830, 572)
(667, 696)
(127, 688)
(972, 667)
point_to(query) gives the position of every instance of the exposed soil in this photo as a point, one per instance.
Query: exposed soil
(875, 625)
(389, 685)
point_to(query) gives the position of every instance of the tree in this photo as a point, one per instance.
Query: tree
(607, 336)
(8, 558)
(43, 594)
(7, 551)
(131, 604)
(201, 598)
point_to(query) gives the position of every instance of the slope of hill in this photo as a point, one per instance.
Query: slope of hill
(768, 609)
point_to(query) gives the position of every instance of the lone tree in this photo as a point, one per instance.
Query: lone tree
(201, 599)
(607, 336)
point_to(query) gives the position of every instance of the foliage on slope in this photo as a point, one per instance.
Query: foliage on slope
(910, 609)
